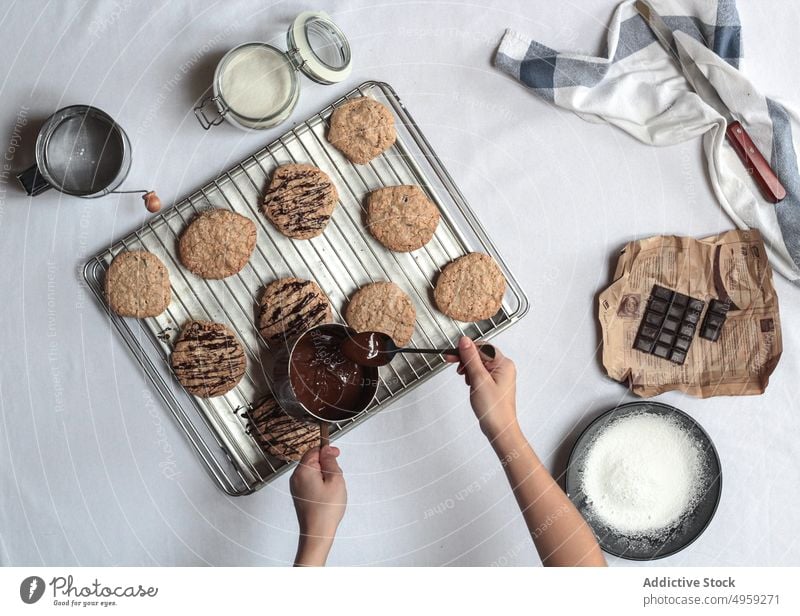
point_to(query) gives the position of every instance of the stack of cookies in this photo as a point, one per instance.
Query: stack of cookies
(299, 201)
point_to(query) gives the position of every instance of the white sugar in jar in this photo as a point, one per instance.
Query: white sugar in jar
(256, 85)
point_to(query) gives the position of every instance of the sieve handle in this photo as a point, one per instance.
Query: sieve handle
(32, 181)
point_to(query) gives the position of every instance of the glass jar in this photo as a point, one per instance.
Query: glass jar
(256, 85)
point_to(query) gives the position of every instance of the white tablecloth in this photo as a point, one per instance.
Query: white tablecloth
(92, 469)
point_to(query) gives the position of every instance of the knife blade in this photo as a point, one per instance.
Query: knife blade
(752, 159)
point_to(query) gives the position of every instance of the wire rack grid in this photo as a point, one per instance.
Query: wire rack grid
(341, 260)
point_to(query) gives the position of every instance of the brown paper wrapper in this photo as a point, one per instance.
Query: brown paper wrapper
(730, 265)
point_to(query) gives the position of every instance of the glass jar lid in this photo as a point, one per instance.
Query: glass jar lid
(319, 48)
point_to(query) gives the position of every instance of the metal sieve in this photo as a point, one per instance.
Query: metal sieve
(81, 151)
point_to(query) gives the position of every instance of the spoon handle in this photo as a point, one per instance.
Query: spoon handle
(486, 349)
(324, 434)
(429, 351)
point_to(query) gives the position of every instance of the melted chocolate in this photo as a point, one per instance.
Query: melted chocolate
(323, 379)
(369, 348)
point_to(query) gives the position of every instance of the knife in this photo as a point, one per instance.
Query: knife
(752, 159)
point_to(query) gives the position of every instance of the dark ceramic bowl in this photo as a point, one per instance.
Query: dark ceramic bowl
(688, 529)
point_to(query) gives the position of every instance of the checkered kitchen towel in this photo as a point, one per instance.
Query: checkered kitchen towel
(639, 88)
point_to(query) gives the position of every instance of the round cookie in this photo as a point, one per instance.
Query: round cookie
(382, 307)
(217, 243)
(279, 434)
(361, 129)
(208, 360)
(289, 306)
(402, 218)
(300, 200)
(470, 288)
(137, 285)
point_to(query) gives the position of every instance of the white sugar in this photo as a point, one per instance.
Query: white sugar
(256, 82)
(642, 474)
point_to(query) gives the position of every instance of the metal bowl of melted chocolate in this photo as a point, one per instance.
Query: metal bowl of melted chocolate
(314, 381)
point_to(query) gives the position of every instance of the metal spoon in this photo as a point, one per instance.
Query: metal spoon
(378, 349)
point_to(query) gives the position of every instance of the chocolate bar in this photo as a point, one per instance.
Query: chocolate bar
(668, 325)
(715, 319)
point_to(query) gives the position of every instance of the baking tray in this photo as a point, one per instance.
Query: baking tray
(340, 260)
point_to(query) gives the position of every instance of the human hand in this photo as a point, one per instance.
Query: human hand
(492, 383)
(320, 497)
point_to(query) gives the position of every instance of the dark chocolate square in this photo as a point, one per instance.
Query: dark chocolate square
(658, 305)
(682, 343)
(678, 356)
(661, 350)
(643, 344)
(653, 319)
(671, 324)
(719, 307)
(661, 292)
(649, 332)
(691, 316)
(709, 332)
(666, 338)
(675, 311)
(696, 304)
(687, 329)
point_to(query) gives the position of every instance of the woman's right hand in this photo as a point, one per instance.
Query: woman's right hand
(492, 389)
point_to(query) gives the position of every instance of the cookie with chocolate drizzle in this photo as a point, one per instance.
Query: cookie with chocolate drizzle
(279, 434)
(208, 359)
(289, 306)
(300, 200)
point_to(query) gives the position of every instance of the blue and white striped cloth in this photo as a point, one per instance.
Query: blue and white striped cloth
(639, 88)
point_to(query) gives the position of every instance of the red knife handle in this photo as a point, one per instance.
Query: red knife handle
(755, 163)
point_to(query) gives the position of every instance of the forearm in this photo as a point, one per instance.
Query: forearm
(312, 551)
(559, 532)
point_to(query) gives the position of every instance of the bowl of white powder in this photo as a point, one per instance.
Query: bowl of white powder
(647, 478)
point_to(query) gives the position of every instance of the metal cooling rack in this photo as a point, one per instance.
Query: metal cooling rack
(341, 260)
